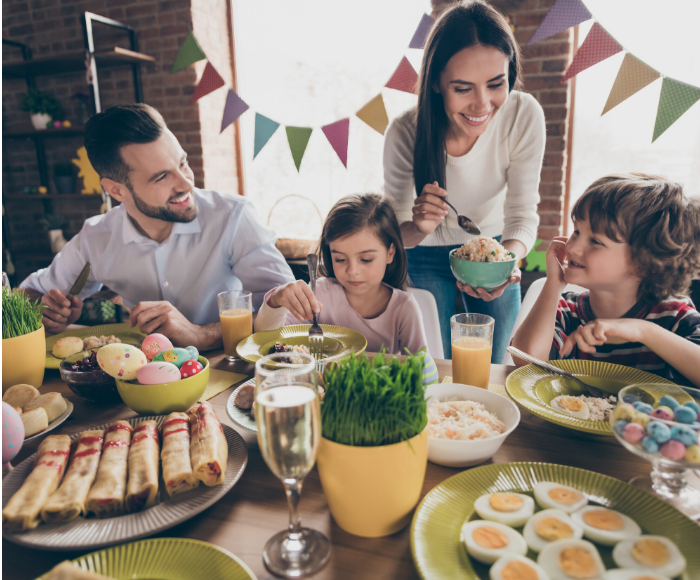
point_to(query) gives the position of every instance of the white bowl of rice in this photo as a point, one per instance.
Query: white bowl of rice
(467, 425)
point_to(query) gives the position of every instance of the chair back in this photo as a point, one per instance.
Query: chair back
(431, 321)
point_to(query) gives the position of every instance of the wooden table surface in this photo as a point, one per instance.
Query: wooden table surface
(245, 518)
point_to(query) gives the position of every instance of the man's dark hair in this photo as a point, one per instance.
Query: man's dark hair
(106, 133)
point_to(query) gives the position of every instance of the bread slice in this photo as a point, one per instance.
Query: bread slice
(35, 421)
(20, 395)
(53, 403)
(67, 346)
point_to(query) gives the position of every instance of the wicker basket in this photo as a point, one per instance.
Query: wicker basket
(293, 249)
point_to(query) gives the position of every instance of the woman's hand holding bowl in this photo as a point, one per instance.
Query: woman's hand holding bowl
(495, 293)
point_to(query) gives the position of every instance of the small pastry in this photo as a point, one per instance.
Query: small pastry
(54, 405)
(20, 395)
(66, 346)
(35, 421)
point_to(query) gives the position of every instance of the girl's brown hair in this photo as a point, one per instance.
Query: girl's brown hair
(661, 225)
(355, 212)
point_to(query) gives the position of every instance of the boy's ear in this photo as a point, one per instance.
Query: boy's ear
(116, 190)
(391, 253)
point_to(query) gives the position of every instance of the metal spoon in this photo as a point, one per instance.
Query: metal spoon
(464, 222)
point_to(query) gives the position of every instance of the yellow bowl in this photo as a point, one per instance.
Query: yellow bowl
(166, 397)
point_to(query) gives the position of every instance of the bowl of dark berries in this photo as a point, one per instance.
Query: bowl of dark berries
(86, 379)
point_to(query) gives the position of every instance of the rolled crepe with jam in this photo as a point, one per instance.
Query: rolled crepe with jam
(208, 446)
(22, 511)
(106, 497)
(68, 501)
(175, 455)
(142, 487)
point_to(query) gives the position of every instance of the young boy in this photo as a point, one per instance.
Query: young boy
(636, 248)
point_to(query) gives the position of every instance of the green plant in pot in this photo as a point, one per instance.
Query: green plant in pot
(64, 176)
(23, 340)
(374, 451)
(43, 107)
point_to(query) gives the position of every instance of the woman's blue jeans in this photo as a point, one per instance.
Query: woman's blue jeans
(429, 268)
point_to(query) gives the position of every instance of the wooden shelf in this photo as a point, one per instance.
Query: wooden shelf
(38, 196)
(33, 133)
(72, 63)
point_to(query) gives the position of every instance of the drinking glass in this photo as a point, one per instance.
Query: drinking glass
(472, 340)
(666, 446)
(236, 315)
(288, 415)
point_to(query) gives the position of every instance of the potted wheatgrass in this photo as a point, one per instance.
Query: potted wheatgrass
(374, 449)
(23, 340)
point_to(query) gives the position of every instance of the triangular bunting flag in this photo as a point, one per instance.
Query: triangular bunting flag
(337, 135)
(190, 52)
(404, 78)
(234, 108)
(632, 77)
(298, 138)
(210, 81)
(564, 14)
(264, 129)
(421, 33)
(374, 114)
(676, 98)
(598, 46)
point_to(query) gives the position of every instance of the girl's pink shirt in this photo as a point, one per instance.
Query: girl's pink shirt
(400, 326)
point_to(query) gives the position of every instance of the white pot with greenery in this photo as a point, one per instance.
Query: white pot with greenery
(42, 107)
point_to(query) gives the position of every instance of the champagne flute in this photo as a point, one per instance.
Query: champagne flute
(288, 414)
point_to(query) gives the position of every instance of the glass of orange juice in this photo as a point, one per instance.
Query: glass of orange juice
(236, 315)
(472, 339)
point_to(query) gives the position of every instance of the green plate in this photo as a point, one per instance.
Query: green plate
(166, 559)
(337, 341)
(435, 530)
(123, 331)
(534, 388)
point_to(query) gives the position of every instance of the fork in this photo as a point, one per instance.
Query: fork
(315, 332)
(593, 391)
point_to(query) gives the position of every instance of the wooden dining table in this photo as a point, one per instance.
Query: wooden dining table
(256, 508)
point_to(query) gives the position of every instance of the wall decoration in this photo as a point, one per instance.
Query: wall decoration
(337, 135)
(298, 138)
(234, 108)
(404, 78)
(374, 114)
(264, 129)
(190, 52)
(421, 33)
(91, 179)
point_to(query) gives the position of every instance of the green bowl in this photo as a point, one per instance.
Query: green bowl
(166, 397)
(486, 275)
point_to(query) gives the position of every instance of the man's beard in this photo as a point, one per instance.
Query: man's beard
(164, 213)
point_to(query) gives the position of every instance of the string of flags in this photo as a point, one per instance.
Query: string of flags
(676, 97)
(373, 113)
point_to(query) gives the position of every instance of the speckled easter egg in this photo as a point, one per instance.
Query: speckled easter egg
(156, 373)
(190, 368)
(177, 356)
(155, 343)
(121, 361)
(12, 433)
(194, 353)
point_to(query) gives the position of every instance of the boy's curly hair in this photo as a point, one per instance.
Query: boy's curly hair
(661, 225)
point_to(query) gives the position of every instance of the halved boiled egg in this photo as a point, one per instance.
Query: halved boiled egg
(606, 526)
(650, 553)
(627, 574)
(511, 509)
(488, 541)
(516, 567)
(549, 526)
(571, 406)
(571, 559)
(552, 495)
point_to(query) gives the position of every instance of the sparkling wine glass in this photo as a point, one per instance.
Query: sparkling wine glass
(670, 445)
(288, 415)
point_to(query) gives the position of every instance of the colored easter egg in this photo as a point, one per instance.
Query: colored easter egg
(190, 368)
(57, 124)
(156, 373)
(692, 454)
(121, 361)
(670, 402)
(623, 412)
(645, 408)
(659, 431)
(685, 415)
(12, 432)
(619, 426)
(177, 356)
(194, 353)
(650, 445)
(642, 419)
(155, 343)
(664, 413)
(673, 450)
(633, 433)
(684, 434)
(693, 405)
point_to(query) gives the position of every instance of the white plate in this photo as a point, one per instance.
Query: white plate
(90, 533)
(55, 423)
(241, 417)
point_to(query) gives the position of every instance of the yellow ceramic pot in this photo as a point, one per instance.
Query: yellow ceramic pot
(24, 359)
(371, 491)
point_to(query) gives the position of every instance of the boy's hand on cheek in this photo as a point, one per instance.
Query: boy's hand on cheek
(556, 258)
(602, 331)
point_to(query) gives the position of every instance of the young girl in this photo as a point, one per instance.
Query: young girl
(364, 264)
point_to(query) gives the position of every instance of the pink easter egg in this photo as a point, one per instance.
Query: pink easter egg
(633, 433)
(663, 413)
(673, 450)
(190, 368)
(12, 433)
(154, 344)
(156, 373)
(57, 124)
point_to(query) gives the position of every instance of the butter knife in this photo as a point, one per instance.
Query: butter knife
(80, 282)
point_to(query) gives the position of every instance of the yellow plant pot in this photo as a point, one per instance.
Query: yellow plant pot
(371, 491)
(23, 359)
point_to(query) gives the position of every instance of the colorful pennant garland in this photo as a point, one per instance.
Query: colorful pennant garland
(337, 134)
(676, 97)
(190, 52)
(374, 114)
(208, 83)
(421, 33)
(298, 138)
(264, 129)
(404, 78)
(234, 108)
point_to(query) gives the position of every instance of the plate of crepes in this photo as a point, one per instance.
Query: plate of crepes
(67, 343)
(566, 403)
(121, 481)
(337, 342)
(539, 521)
(40, 412)
(162, 558)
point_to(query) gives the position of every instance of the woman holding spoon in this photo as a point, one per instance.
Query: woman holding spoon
(477, 142)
